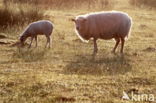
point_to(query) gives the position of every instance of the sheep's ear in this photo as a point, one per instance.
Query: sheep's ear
(73, 20)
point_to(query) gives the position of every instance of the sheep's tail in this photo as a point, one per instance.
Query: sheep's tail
(129, 26)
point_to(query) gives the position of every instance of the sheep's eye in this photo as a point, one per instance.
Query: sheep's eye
(21, 39)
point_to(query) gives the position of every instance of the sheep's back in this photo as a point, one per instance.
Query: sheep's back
(107, 24)
(41, 27)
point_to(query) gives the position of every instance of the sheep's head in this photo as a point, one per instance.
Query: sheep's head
(80, 25)
(79, 22)
(22, 39)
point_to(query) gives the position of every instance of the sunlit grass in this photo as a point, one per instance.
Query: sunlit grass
(67, 72)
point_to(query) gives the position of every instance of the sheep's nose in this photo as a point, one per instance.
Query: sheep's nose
(77, 28)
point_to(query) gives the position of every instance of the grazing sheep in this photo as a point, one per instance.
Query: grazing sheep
(42, 27)
(103, 25)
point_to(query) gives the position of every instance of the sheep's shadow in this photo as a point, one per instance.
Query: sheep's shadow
(30, 55)
(111, 65)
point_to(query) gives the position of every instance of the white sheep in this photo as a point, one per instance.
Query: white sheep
(103, 25)
(42, 27)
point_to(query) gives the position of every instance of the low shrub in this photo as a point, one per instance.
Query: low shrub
(11, 15)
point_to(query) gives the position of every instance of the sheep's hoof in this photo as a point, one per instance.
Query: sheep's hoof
(93, 57)
(121, 53)
(94, 53)
(29, 47)
(113, 52)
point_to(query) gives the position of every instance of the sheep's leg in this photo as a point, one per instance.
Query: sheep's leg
(48, 41)
(95, 47)
(116, 45)
(31, 42)
(122, 44)
(36, 40)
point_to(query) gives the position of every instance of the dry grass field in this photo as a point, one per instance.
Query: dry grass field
(66, 73)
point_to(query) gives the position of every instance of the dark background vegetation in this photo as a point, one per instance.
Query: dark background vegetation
(19, 15)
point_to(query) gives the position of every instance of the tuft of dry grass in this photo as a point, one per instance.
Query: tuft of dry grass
(12, 14)
(61, 4)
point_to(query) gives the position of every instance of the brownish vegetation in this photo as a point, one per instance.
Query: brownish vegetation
(150, 3)
(11, 14)
(20, 15)
(68, 4)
